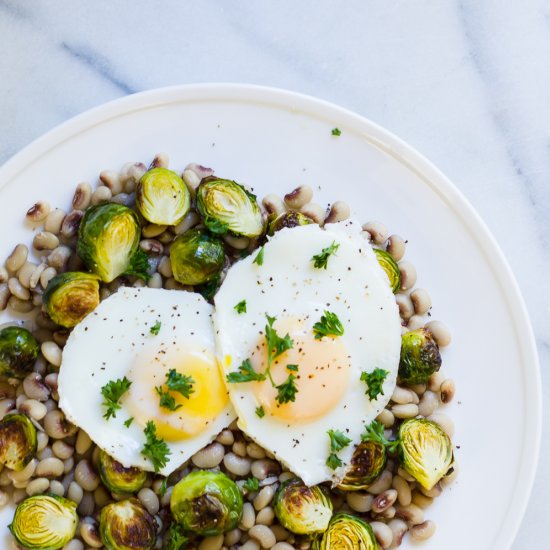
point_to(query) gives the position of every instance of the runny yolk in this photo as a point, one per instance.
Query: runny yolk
(208, 399)
(322, 377)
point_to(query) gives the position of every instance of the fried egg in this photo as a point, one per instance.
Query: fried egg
(286, 285)
(142, 334)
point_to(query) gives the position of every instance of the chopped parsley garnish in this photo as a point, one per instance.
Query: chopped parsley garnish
(128, 422)
(375, 432)
(374, 381)
(176, 539)
(260, 413)
(287, 391)
(336, 132)
(252, 484)
(180, 383)
(112, 392)
(320, 260)
(163, 487)
(155, 449)
(259, 259)
(333, 461)
(293, 368)
(241, 307)
(329, 325)
(167, 400)
(246, 374)
(155, 329)
(338, 441)
(275, 345)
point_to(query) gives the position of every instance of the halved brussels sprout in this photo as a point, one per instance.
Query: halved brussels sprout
(389, 265)
(127, 525)
(44, 522)
(347, 532)
(206, 503)
(301, 509)
(197, 257)
(119, 479)
(425, 451)
(226, 205)
(17, 441)
(108, 240)
(70, 296)
(367, 463)
(291, 218)
(18, 352)
(420, 357)
(162, 197)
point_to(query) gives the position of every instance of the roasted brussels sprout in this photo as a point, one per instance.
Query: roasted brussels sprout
(366, 465)
(69, 297)
(226, 206)
(420, 357)
(44, 522)
(162, 197)
(17, 441)
(197, 257)
(291, 218)
(389, 265)
(18, 352)
(108, 240)
(119, 479)
(425, 451)
(127, 525)
(206, 503)
(301, 509)
(347, 532)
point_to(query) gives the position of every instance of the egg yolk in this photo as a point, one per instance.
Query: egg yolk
(206, 401)
(322, 377)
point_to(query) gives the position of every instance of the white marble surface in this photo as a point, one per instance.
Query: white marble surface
(465, 82)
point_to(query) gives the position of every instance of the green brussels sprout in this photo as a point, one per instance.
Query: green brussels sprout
(347, 532)
(389, 265)
(127, 525)
(206, 503)
(17, 441)
(425, 451)
(108, 240)
(162, 197)
(44, 522)
(366, 465)
(18, 352)
(197, 257)
(420, 357)
(119, 479)
(69, 297)
(291, 218)
(226, 206)
(301, 509)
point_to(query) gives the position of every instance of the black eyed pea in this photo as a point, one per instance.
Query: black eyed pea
(4, 275)
(396, 247)
(47, 275)
(266, 516)
(4, 296)
(285, 476)
(339, 211)
(416, 322)
(18, 495)
(54, 221)
(151, 246)
(38, 486)
(250, 544)
(161, 160)
(283, 546)
(209, 457)
(38, 212)
(74, 544)
(111, 179)
(85, 476)
(42, 440)
(314, 211)
(52, 353)
(238, 243)
(264, 497)
(82, 196)
(377, 230)
(57, 426)
(89, 531)
(299, 197)
(405, 305)
(404, 494)
(125, 199)
(408, 275)
(423, 531)
(62, 450)
(410, 410)
(435, 381)
(35, 388)
(420, 500)
(25, 273)
(239, 448)
(280, 532)
(190, 220)
(440, 332)
(232, 537)
(83, 442)
(412, 514)
(87, 505)
(59, 257)
(263, 468)
(264, 535)
(384, 500)
(211, 543)
(237, 465)
(75, 492)
(383, 534)
(25, 474)
(399, 528)
(249, 516)
(447, 390)
(273, 204)
(71, 223)
(50, 467)
(191, 180)
(34, 409)
(17, 258)
(101, 194)
(444, 421)
(381, 484)
(402, 396)
(35, 276)
(18, 290)
(388, 513)
(149, 499)
(421, 301)
(153, 230)
(359, 501)
(200, 170)
(255, 451)
(20, 306)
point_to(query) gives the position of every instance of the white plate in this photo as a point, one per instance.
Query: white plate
(275, 140)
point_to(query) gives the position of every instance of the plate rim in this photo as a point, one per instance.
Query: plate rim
(395, 146)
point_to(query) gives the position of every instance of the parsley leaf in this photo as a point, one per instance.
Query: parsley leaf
(208, 290)
(338, 441)
(180, 383)
(246, 374)
(163, 487)
(374, 381)
(240, 307)
(336, 132)
(128, 422)
(333, 461)
(320, 260)
(252, 484)
(259, 259)
(329, 325)
(260, 413)
(155, 329)
(375, 432)
(293, 368)
(139, 266)
(176, 539)
(275, 345)
(287, 391)
(166, 400)
(112, 392)
(155, 449)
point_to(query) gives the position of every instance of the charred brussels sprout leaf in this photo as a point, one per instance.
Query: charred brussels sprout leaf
(17, 441)
(69, 297)
(18, 352)
(197, 257)
(425, 451)
(127, 524)
(162, 197)
(347, 532)
(301, 509)
(206, 503)
(291, 218)
(119, 479)
(366, 465)
(108, 240)
(389, 265)
(44, 522)
(420, 357)
(227, 206)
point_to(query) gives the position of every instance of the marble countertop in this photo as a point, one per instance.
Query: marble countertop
(467, 83)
